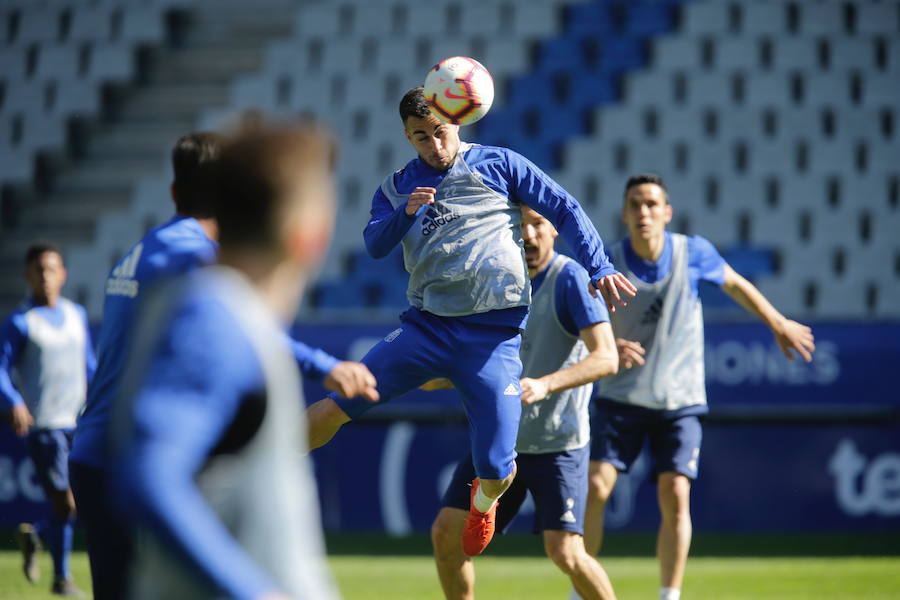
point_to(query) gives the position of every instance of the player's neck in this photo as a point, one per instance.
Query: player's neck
(649, 249)
(210, 228)
(279, 283)
(49, 301)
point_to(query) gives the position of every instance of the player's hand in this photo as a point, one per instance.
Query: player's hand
(533, 390)
(436, 384)
(795, 337)
(630, 353)
(612, 287)
(352, 379)
(419, 198)
(20, 420)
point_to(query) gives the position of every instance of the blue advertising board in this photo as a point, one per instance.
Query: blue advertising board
(764, 475)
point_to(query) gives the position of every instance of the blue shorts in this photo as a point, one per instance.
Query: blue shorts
(557, 482)
(49, 451)
(618, 432)
(483, 363)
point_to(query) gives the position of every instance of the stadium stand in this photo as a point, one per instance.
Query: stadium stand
(773, 121)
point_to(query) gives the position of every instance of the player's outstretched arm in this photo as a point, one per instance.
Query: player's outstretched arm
(790, 335)
(602, 360)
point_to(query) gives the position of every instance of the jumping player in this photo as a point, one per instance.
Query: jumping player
(185, 242)
(46, 343)
(208, 429)
(456, 210)
(658, 393)
(567, 345)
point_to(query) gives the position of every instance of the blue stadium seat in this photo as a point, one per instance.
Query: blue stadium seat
(592, 18)
(338, 295)
(588, 91)
(561, 54)
(621, 53)
(649, 18)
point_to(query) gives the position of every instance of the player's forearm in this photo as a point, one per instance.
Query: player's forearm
(383, 235)
(594, 366)
(314, 363)
(752, 300)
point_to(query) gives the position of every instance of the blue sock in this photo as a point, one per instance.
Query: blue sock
(58, 534)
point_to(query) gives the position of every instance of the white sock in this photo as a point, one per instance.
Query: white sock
(574, 595)
(482, 501)
(669, 593)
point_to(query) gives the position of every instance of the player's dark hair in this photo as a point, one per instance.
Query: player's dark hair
(256, 172)
(37, 248)
(414, 104)
(193, 159)
(642, 178)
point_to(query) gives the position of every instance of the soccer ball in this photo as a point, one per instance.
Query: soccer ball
(459, 90)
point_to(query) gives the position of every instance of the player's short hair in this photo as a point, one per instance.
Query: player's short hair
(256, 170)
(642, 178)
(39, 247)
(193, 159)
(413, 104)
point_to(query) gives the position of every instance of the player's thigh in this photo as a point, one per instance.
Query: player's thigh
(401, 362)
(487, 376)
(617, 436)
(49, 451)
(675, 446)
(558, 483)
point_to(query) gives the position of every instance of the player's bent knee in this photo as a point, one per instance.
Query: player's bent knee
(564, 549)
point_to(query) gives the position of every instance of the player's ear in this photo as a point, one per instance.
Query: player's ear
(668, 212)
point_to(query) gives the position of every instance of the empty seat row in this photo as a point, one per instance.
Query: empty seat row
(726, 89)
(804, 17)
(653, 121)
(95, 62)
(780, 53)
(489, 17)
(75, 23)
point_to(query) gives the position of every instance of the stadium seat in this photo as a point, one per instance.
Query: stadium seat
(705, 18)
(90, 23)
(645, 18)
(820, 18)
(767, 89)
(851, 53)
(591, 18)
(795, 54)
(57, 61)
(737, 53)
(39, 24)
(676, 53)
(880, 18)
(763, 17)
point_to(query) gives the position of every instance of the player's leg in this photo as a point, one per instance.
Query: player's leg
(455, 570)
(401, 362)
(49, 450)
(109, 543)
(617, 436)
(558, 484)
(676, 450)
(602, 478)
(566, 550)
(486, 372)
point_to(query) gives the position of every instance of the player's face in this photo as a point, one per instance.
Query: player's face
(646, 212)
(539, 235)
(46, 276)
(436, 143)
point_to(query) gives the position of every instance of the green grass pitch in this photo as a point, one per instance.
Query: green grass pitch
(376, 568)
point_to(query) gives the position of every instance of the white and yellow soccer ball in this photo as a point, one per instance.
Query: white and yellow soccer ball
(459, 90)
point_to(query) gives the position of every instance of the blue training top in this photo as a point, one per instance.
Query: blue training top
(14, 335)
(575, 307)
(511, 175)
(704, 262)
(173, 248)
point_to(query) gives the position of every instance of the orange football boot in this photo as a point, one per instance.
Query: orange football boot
(479, 529)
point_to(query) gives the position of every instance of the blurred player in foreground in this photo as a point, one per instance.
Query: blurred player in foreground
(456, 210)
(46, 343)
(185, 242)
(659, 392)
(209, 430)
(567, 345)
